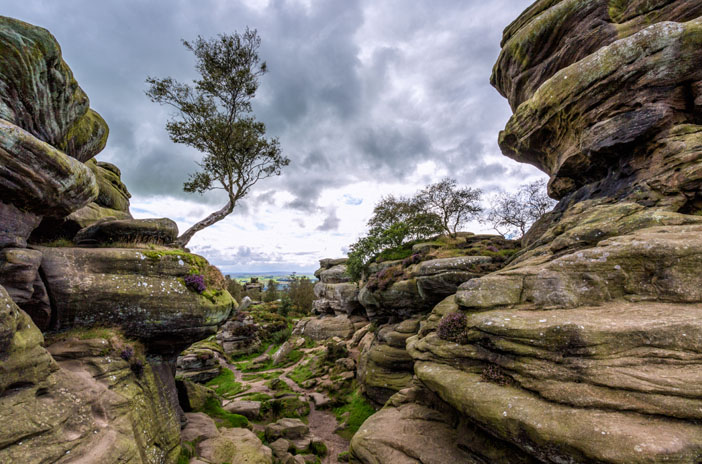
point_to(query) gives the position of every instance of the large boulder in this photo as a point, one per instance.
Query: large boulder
(93, 405)
(158, 231)
(335, 292)
(40, 95)
(140, 291)
(322, 328)
(384, 365)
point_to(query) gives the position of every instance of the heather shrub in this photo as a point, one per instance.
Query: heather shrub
(414, 259)
(195, 282)
(127, 353)
(453, 327)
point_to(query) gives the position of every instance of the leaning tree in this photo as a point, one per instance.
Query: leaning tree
(214, 116)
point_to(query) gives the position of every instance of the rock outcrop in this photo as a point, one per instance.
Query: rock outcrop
(103, 390)
(335, 292)
(397, 290)
(584, 347)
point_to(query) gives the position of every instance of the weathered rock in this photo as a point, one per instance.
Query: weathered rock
(239, 335)
(400, 292)
(286, 348)
(40, 95)
(200, 427)
(250, 409)
(235, 445)
(19, 274)
(140, 291)
(296, 432)
(95, 408)
(200, 362)
(192, 396)
(58, 185)
(23, 360)
(16, 225)
(158, 231)
(384, 366)
(322, 328)
(416, 426)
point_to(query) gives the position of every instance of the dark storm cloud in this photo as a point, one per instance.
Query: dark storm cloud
(331, 222)
(357, 89)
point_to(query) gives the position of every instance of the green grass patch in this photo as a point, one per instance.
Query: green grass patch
(301, 373)
(292, 357)
(266, 375)
(359, 410)
(223, 418)
(256, 397)
(225, 384)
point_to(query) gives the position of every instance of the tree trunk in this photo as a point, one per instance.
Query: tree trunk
(217, 216)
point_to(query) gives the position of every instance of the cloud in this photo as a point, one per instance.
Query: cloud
(331, 222)
(366, 97)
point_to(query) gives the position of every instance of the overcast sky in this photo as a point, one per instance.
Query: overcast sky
(368, 97)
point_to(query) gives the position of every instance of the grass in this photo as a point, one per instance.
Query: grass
(261, 375)
(301, 373)
(256, 397)
(225, 384)
(359, 410)
(223, 418)
(292, 357)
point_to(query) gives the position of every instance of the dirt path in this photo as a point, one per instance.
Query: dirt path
(322, 423)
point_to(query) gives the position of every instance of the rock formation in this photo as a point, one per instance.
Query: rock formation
(103, 389)
(584, 348)
(335, 292)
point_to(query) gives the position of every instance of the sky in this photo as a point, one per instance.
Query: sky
(367, 97)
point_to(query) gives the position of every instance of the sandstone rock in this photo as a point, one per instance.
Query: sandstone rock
(58, 185)
(40, 95)
(320, 400)
(199, 363)
(23, 360)
(335, 275)
(137, 290)
(235, 445)
(200, 427)
(295, 431)
(239, 335)
(192, 396)
(158, 231)
(16, 225)
(250, 409)
(336, 298)
(95, 408)
(323, 328)
(19, 274)
(280, 448)
(286, 348)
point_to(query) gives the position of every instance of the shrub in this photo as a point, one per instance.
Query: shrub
(414, 259)
(195, 282)
(493, 373)
(137, 367)
(453, 327)
(127, 353)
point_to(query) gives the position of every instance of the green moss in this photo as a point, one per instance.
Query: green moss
(301, 373)
(193, 260)
(318, 448)
(225, 384)
(256, 397)
(214, 409)
(261, 375)
(359, 410)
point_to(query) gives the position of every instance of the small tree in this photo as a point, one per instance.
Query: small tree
(395, 221)
(213, 116)
(235, 288)
(271, 293)
(511, 215)
(301, 293)
(454, 206)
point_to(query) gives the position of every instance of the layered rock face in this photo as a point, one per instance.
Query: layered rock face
(104, 390)
(335, 292)
(585, 347)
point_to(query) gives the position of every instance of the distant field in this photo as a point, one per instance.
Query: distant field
(281, 278)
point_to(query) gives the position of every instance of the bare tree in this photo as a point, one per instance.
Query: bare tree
(454, 206)
(512, 214)
(213, 116)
